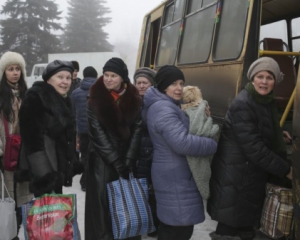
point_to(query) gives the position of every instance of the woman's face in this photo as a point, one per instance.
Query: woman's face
(112, 81)
(142, 84)
(175, 90)
(61, 81)
(263, 82)
(13, 73)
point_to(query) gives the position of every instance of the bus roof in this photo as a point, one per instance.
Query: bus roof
(276, 10)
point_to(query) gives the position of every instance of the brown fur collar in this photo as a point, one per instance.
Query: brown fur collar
(117, 118)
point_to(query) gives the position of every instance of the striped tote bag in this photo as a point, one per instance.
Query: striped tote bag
(277, 213)
(128, 204)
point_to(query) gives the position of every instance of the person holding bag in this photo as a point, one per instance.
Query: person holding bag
(47, 128)
(12, 93)
(113, 113)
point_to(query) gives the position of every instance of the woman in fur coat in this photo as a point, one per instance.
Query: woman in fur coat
(113, 113)
(47, 129)
(12, 93)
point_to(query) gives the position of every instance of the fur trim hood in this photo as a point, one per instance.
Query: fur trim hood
(9, 58)
(117, 117)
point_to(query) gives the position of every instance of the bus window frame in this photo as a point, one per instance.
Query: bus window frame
(146, 40)
(182, 34)
(162, 27)
(217, 27)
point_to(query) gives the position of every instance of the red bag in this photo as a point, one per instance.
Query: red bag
(12, 149)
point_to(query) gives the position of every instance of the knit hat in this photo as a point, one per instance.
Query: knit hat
(55, 67)
(166, 76)
(90, 72)
(145, 72)
(117, 66)
(75, 65)
(10, 58)
(265, 64)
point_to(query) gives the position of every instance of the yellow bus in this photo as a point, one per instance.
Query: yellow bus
(214, 42)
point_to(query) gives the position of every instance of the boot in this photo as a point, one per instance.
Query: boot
(215, 236)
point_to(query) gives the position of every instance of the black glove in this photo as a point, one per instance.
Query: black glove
(51, 182)
(121, 168)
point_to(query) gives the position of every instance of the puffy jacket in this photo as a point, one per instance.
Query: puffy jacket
(178, 200)
(79, 100)
(242, 162)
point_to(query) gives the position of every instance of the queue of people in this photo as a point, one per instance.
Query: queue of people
(141, 128)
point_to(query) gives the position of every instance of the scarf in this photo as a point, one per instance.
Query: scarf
(278, 144)
(116, 94)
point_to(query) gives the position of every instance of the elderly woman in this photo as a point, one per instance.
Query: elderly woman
(47, 127)
(113, 113)
(179, 203)
(248, 151)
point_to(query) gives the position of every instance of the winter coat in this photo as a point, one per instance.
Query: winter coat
(115, 134)
(201, 125)
(79, 101)
(23, 194)
(143, 166)
(242, 162)
(178, 200)
(47, 127)
(74, 85)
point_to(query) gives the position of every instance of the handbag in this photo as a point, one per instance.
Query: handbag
(12, 149)
(8, 219)
(277, 214)
(129, 208)
(51, 216)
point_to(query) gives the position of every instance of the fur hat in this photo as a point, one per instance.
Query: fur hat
(55, 67)
(10, 58)
(265, 64)
(75, 65)
(90, 72)
(117, 66)
(166, 75)
(145, 72)
(191, 97)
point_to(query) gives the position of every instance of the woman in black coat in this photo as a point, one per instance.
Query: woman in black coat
(47, 127)
(248, 151)
(113, 113)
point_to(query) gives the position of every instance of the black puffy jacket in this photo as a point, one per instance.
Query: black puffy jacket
(242, 162)
(143, 168)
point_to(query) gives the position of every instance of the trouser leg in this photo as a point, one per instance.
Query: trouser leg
(167, 232)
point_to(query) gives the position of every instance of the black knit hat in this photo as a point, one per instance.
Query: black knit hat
(55, 67)
(145, 72)
(75, 65)
(117, 66)
(166, 76)
(90, 72)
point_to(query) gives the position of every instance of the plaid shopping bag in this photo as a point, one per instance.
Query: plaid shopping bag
(128, 204)
(51, 216)
(277, 214)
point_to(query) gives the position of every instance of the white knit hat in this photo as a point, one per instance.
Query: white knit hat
(10, 58)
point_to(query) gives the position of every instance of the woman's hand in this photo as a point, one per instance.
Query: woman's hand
(290, 174)
(287, 137)
(207, 111)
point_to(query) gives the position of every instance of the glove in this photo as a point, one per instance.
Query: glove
(121, 168)
(51, 182)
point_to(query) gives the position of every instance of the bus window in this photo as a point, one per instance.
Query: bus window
(267, 31)
(197, 36)
(170, 33)
(233, 20)
(145, 43)
(296, 34)
(197, 4)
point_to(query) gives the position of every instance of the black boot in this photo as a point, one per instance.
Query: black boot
(215, 236)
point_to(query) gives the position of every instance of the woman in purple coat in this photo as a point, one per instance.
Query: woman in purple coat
(179, 204)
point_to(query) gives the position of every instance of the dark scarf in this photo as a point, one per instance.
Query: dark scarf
(278, 144)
